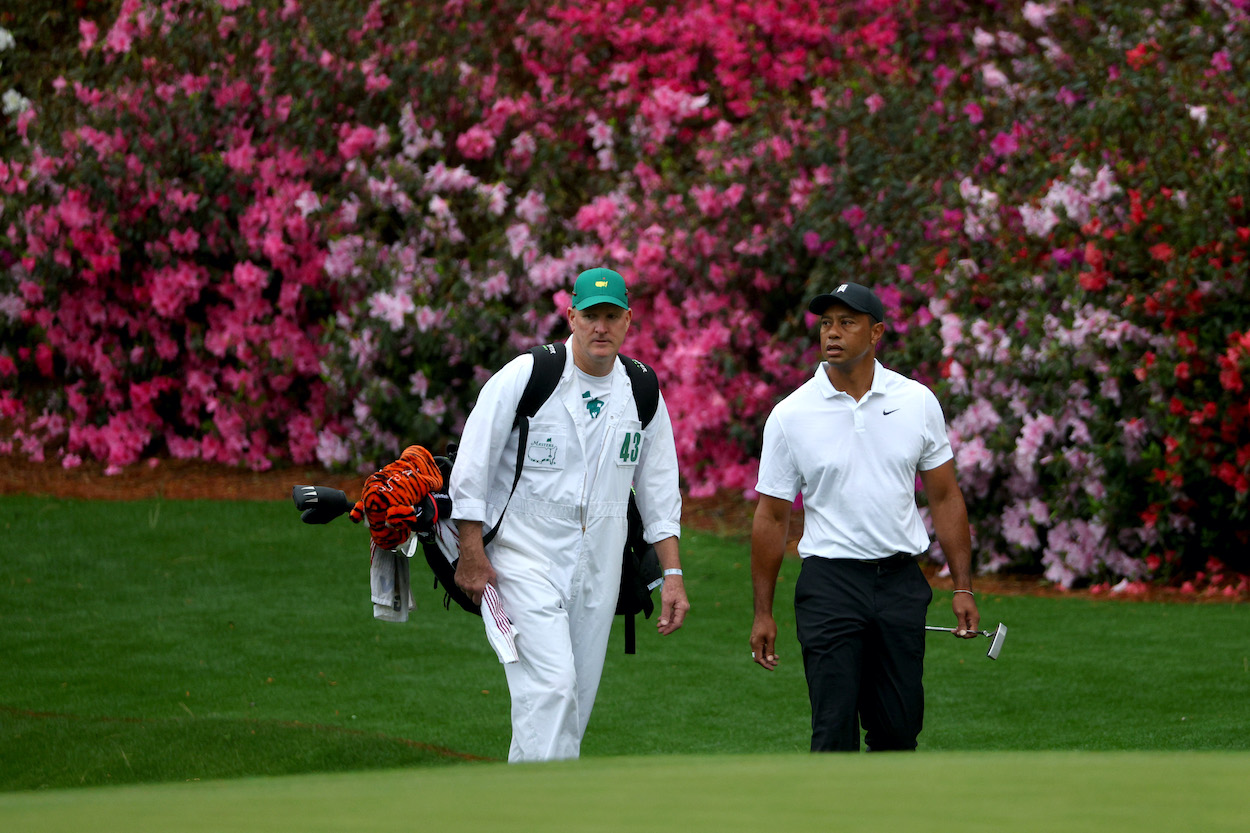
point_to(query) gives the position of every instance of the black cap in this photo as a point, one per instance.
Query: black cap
(855, 296)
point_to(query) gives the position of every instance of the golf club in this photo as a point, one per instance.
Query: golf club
(319, 504)
(997, 638)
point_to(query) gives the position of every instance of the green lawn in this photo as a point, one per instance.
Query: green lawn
(158, 641)
(971, 792)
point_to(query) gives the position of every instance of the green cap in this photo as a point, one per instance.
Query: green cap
(599, 286)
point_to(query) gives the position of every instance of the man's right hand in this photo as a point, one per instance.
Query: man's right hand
(473, 573)
(764, 641)
(473, 569)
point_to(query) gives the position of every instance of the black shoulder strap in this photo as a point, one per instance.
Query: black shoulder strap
(646, 388)
(548, 365)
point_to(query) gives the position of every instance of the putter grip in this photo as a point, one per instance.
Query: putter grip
(319, 504)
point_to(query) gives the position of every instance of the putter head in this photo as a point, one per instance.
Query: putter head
(319, 504)
(996, 641)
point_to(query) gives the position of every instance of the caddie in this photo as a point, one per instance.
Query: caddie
(555, 560)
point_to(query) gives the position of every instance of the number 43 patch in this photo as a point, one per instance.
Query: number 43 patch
(631, 445)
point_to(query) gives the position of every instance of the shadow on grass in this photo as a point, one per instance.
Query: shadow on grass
(132, 750)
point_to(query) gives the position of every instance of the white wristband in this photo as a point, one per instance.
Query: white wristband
(673, 571)
(969, 592)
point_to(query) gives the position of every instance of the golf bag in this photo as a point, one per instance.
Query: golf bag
(640, 566)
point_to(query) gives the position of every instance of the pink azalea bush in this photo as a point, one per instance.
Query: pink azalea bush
(258, 232)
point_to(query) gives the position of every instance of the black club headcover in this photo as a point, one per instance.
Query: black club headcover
(319, 504)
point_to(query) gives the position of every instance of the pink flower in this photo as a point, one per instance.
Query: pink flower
(496, 286)
(532, 208)
(974, 113)
(391, 308)
(332, 449)
(601, 211)
(248, 275)
(90, 34)
(707, 198)
(874, 103)
(476, 143)
(428, 319)
(1220, 61)
(43, 359)
(185, 241)
(1004, 144)
(434, 408)
(353, 141)
(241, 157)
(519, 240)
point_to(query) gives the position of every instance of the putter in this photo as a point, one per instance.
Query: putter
(997, 638)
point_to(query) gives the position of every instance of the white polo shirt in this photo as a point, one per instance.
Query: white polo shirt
(855, 463)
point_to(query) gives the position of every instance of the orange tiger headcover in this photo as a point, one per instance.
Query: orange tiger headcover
(390, 496)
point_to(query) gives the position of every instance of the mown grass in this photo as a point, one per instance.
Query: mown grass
(168, 640)
(976, 792)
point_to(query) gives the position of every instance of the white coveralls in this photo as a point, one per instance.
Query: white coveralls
(557, 555)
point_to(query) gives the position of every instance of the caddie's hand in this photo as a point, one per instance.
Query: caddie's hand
(967, 617)
(473, 573)
(764, 641)
(673, 605)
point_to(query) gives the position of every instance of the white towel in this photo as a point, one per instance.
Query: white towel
(389, 584)
(500, 632)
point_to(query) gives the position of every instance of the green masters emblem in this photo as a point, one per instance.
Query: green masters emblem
(594, 406)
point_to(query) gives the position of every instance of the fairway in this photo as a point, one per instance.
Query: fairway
(1008, 791)
(187, 643)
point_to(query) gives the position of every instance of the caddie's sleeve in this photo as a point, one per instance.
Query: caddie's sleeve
(779, 476)
(480, 453)
(937, 445)
(656, 484)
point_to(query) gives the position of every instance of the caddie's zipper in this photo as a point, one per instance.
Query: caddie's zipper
(585, 504)
(607, 437)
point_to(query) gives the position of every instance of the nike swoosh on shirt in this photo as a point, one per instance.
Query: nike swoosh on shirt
(887, 413)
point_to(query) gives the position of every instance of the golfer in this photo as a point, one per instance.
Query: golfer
(556, 559)
(852, 440)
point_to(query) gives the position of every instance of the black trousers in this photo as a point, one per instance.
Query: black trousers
(861, 627)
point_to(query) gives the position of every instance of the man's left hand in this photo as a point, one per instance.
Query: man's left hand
(673, 605)
(967, 617)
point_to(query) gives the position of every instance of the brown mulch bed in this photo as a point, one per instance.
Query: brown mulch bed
(726, 514)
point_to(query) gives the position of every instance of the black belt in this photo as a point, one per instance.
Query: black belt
(893, 562)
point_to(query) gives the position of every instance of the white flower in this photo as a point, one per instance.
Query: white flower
(1037, 13)
(6, 39)
(993, 76)
(14, 102)
(1038, 222)
(1198, 114)
(307, 203)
